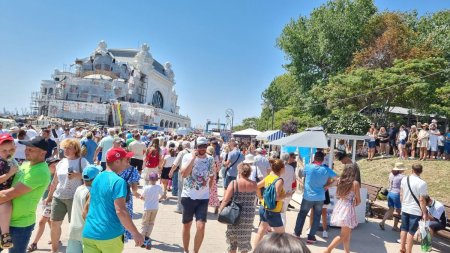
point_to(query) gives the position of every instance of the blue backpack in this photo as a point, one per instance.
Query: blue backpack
(270, 195)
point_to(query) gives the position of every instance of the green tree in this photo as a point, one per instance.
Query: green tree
(434, 30)
(324, 43)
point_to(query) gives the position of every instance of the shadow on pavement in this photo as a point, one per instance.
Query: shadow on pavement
(167, 247)
(137, 216)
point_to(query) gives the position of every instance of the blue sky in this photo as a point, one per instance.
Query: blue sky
(223, 53)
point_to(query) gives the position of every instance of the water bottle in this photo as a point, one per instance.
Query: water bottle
(13, 163)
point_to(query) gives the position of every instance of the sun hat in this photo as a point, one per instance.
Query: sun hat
(249, 159)
(399, 166)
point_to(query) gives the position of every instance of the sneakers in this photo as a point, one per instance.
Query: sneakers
(147, 243)
(324, 234)
(311, 239)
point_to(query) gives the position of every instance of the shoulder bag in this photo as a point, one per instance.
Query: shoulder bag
(414, 196)
(232, 212)
(227, 169)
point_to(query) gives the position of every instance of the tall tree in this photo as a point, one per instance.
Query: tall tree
(324, 43)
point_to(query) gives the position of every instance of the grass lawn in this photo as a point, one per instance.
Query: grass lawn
(435, 173)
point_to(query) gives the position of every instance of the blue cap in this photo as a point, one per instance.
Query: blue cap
(90, 172)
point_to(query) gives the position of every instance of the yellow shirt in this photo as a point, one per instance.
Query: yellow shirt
(267, 182)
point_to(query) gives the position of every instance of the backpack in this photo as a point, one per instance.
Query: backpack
(270, 195)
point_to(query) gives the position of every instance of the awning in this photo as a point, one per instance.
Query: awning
(271, 135)
(314, 138)
(247, 132)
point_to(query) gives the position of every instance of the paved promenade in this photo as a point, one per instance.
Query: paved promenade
(367, 238)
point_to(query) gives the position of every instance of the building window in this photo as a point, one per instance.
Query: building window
(158, 100)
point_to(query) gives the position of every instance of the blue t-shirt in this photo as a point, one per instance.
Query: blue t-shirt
(316, 177)
(91, 146)
(235, 157)
(102, 222)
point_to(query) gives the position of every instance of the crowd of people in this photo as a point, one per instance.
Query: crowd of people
(421, 141)
(93, 176)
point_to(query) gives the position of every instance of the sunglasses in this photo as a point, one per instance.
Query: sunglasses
(202, 146)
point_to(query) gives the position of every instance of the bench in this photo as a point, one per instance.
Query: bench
(445, 233)
(372, 193)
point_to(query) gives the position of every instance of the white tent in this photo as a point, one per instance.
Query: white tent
(270, 135)
(247, 132)
(313, 137)
(182, 131)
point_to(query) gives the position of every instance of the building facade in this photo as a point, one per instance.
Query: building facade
(114, 87)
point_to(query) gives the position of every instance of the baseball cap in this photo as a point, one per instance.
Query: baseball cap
(36, 142)
(153, 176)
(117, 153)
(90, 172)
(5, 137)
(292, 154)
(202, 141)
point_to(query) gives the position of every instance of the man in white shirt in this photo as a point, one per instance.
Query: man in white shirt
(31, 133)
(138, 148)
(262, 162)
(198, 173)
(413, 191)
(436, 215)
(105, 144)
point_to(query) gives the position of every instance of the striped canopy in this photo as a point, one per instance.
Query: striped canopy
(271, 135)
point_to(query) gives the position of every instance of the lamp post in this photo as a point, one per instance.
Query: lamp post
(271, 107)
(230, 115)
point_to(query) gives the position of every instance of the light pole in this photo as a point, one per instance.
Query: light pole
(230, 115)
(271, 107)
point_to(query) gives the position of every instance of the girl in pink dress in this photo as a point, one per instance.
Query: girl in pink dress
(344, 215)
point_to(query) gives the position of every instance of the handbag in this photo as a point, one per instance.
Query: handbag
(232, 212)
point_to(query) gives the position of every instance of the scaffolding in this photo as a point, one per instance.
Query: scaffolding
(34, 103)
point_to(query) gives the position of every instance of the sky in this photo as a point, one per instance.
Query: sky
(223, 53)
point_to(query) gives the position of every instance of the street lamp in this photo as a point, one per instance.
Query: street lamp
(230, 115)
(272, 108)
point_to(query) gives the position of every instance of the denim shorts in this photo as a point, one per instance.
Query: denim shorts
(410, 223)
(372, 144)
(191, 207)
(273, 218)
(394, 200)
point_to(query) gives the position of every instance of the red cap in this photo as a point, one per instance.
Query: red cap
(5, 137)
(117, 153)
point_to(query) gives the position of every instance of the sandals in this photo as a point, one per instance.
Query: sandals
(6, 241)
(32, 247)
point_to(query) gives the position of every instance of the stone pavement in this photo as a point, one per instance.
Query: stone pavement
(367, 238)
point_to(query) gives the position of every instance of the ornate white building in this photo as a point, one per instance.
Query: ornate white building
(115, 87)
